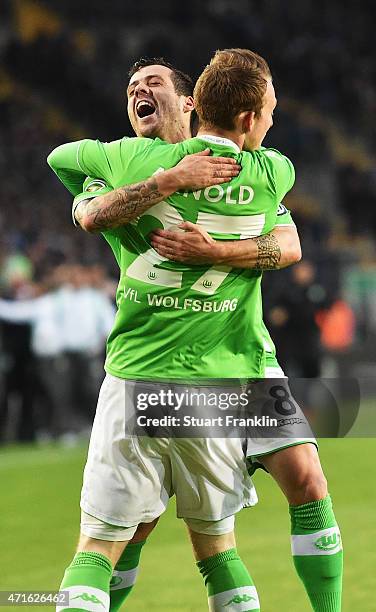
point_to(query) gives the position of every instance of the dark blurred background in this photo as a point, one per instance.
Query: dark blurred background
(63, 73)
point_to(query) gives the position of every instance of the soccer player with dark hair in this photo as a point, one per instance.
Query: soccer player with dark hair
(251, 118)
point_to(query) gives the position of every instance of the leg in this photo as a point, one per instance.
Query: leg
(210, 481)
(209, 545)
(315, 540)
(111, 550)
(126, 569)
(226, 578)
(298, 472)
(143, 531)
(55, 381)
(87, 579)
(108, 490)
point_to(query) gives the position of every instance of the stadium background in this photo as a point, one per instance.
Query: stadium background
(63, 70)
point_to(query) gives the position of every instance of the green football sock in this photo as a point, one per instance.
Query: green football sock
(124, 575)
(228, 583)
(317, 553)
(87, 580)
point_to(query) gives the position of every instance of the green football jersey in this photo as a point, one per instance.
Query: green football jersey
(176, 321)
(94, 187)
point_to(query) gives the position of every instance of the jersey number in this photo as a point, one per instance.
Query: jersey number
(144, 269)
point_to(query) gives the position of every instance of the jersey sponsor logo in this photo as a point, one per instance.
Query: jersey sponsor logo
(329, 542)
(96, 185)
(282, 210)
(207, 284)
(238, 599)
(152, 275)
(90, 598)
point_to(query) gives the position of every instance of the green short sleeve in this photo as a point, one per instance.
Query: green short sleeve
(284, 217)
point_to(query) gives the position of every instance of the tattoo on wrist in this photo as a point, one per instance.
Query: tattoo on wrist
(121, 206)
(269, 252)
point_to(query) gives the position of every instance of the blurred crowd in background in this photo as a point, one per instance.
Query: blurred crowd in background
(63, 74)
(53, 334)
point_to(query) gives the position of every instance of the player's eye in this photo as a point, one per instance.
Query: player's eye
(154, 83)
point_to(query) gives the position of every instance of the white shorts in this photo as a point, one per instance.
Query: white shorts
(128, 479)
(100, 530)
(276, 400)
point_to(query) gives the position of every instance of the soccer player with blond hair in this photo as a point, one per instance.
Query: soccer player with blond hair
(226, 213)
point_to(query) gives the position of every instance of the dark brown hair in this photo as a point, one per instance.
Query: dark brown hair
(182, 82)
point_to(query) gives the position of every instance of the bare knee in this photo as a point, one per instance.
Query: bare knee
(311, 487)
(308, 482)
(299, 474)
(111, 550)
(143, 531)
(205, 546)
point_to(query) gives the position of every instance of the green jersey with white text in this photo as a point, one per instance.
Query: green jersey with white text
(178, 321)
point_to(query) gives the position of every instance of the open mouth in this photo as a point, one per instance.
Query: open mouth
(144, 108)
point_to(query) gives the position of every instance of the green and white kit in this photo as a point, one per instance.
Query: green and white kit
(194, 322)
(176, 321)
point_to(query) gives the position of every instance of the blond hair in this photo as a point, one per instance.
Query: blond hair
(233, 82)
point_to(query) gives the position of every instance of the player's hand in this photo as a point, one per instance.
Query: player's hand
(191, 244)
(201, 170)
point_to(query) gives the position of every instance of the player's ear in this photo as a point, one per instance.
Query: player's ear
(189, 104)
(244, 121)
(248, 121)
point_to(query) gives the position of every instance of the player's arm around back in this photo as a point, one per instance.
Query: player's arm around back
(73, 162)
(125, 204)
(278, 249)
(273, 251)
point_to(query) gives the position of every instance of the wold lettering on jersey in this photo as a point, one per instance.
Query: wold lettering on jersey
(238, 195)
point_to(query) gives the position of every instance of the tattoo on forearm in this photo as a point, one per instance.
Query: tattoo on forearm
(119, 207)
(269, 252)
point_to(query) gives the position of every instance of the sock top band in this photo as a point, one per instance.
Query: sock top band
(313, 515)
(92, 558)
(208, 565)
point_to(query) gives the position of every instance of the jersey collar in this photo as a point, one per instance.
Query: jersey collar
(219, 141)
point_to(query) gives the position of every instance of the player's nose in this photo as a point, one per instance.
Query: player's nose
(141, 88)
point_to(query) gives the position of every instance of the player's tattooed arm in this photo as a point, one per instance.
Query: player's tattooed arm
(268, 252)
(117, 207)
(278, 249)
(124, 204)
